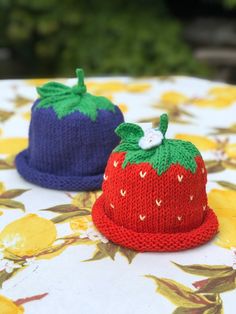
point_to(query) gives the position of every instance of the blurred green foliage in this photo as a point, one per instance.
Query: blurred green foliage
(53, 37)
(230, 4)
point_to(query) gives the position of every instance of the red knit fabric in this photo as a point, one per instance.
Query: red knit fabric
(148, 212)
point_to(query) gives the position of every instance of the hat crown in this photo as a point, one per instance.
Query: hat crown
(152, 147)
(65, 100)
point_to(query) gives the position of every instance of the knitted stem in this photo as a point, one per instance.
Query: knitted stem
(80, 76)
(163, 123)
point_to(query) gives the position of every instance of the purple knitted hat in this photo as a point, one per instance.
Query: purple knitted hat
(71, 136)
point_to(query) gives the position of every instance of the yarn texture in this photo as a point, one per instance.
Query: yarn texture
(69, 143)
(161, 157)
(154, 199)
(65, 100)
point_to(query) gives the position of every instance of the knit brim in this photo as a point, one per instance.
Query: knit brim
(153, 242)
(51, 181)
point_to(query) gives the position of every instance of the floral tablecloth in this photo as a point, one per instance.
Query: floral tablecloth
(52, 260)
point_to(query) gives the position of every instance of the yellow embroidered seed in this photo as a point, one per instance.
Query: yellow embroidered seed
(115, 163)
(142, 217)
(123, 192)
(180, 177)
(142, 174)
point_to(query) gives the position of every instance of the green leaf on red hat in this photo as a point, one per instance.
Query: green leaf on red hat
(129, 132)
(166, 153)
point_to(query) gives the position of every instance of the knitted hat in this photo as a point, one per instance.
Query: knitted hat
(154, 196)
(71, 136)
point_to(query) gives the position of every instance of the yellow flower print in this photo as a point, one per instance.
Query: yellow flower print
(137, 87)
(7, 306)
(80, 224)
(84, 227)
(224, 153)
(12, 145)
(203, 143)
(227, 235)
(42, 81)
(101, 88)
(224, 91)
(171, 102)
(85, 200)
(26, 115)
(37, 82)
(123, 107)
(28, 236)
(217, 97)
(223, 202)
(212, 102)
(2, 187)
(230, 150)
(173, 98)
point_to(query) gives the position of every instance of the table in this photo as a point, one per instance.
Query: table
(58, 263)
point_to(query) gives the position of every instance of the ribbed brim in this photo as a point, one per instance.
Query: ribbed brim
(51, 181)
(153, 242)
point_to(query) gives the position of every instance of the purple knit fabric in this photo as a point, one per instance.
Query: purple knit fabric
(69, 153)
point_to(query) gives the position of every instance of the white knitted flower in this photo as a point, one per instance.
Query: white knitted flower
(151, 139)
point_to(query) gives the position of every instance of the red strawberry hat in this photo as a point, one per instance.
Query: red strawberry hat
(154, 193)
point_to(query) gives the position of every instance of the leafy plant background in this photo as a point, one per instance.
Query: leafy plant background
(59, 36)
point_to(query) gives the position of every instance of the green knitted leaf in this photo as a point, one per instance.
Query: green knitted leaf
(129, 132)
(52, 88)
(163, 123)
(161, 157)
(65, 100)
